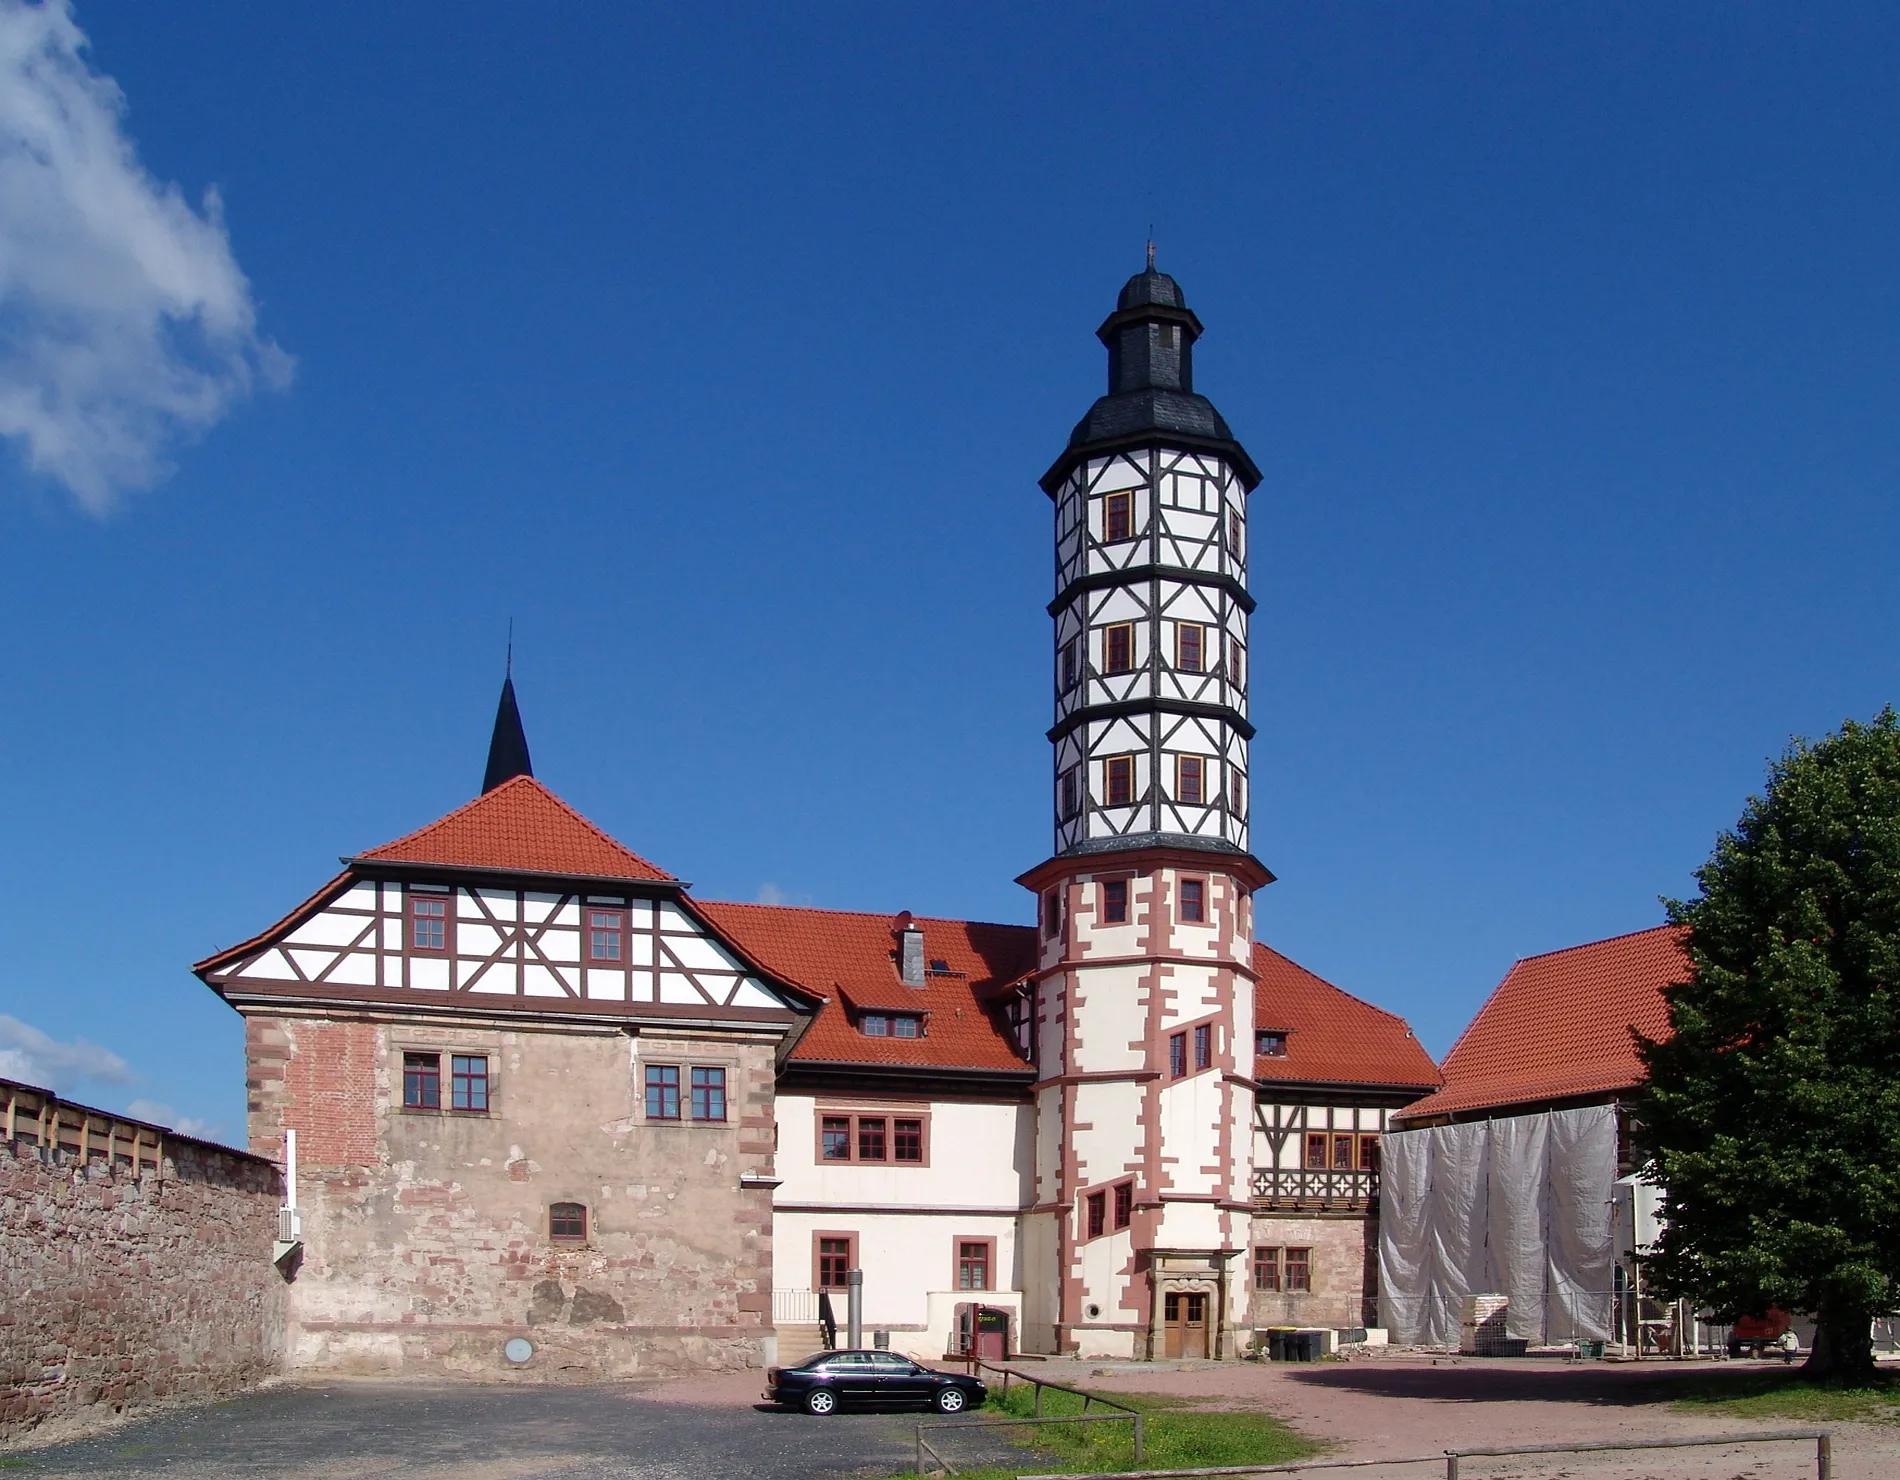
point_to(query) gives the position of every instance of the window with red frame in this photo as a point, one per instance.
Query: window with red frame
(1115, 902)
(1189, 640)
(1118, 517)
(1071, 792)
(1118, 648)
(834, 1262)
(1177, 1056)
(1299, 1270)
(422, 1081)
(1190, 773)
(1233, 532)
(663, 1091)
(1236, 675)
(871, 1141)
(1193, 900)
(709, 1095)
(1345, 1149)
(1121, 780)
(1097, 1204)
(907, 1140)
(606, 935)
(1237, 789)
(1204, 1046)
(429, 922)
(834, 1137)
(1316, 1152)
(1124, 1203)
(878, 1139)
(567, 1222)
(1368, 1153)
(1266, 1269)
(973, 1264)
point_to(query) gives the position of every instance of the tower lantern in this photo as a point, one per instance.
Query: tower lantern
(1145, 1000)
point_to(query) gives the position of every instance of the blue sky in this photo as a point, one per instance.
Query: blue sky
(721, 348)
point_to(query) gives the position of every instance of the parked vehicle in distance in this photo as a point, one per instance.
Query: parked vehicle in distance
(824, 1382)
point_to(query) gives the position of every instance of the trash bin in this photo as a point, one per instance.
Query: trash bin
(1277, 1343)
(1307, 1346)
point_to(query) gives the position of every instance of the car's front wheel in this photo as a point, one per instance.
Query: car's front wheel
(950, 1400)
(821, 1401)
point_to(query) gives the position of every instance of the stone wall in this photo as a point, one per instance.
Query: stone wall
(1344, 1262)
(128, 1286)
(428, 1243)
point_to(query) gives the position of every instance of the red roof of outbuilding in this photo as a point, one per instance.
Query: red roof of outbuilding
(1332, 1036)
(1558, 1025)
(520, 826)
(843, 955)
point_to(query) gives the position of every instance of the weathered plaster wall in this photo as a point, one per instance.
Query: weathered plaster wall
(1344, 1260)
(122, 1290)
(426, 1233)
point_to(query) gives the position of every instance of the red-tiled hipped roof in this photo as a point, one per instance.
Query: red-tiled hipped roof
(520, 826)
(839, 954)
(1332, 1036)
(1558, 1025)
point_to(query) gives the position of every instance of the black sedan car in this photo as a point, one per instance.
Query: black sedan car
(831, 1378)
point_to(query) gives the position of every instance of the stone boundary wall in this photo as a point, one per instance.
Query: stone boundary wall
(124, 1284)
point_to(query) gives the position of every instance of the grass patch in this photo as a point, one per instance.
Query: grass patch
(1176, 1436)
(1790, 1395)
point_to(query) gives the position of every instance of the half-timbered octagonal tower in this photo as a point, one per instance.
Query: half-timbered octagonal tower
(1144, 996)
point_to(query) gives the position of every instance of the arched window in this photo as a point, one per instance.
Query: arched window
(567, 1222)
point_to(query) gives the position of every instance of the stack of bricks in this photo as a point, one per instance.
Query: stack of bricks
(128, 1286)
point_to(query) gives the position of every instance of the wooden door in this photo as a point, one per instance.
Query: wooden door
(992, 1334)
(1185, 1321)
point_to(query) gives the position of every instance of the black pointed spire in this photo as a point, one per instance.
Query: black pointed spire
(508, 746)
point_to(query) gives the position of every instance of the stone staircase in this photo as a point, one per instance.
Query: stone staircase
(798, 1340)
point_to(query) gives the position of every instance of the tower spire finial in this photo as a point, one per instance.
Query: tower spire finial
(508, 744)
(1151, 249)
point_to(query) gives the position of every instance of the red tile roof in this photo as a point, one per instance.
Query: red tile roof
(843, 955)
(1558, 1025)
(520, 826)
(1332, 1036)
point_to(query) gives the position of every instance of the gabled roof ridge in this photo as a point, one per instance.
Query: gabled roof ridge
(1586, 945)
(1372, 1006)
(813, 909)
(328, 892)
(388, 852)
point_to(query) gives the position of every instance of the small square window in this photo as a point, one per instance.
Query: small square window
(835, 1138)
(1204, 1046)
(468, 1082)
(709, 1094)
(875, 1025)
(1194, 900)
(1115, 902)
(1121, 780)
(1188, 646)
(906, 1025)
(1118, 648)
(428, 922)
(422, 1081)
(1190, 779)
(1097, 1213)
(663, 1091)
(567, 1222)
(1118, 517)
(1124, 1203)
(1177, 1056)
(606, 935)
(1270, 1043)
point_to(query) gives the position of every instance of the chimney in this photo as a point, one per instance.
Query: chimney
(910, 949)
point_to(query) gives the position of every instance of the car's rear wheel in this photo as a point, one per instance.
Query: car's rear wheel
(821, 1401)
(950, 1400)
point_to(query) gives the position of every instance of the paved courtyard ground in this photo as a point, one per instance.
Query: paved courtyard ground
(713, 1428)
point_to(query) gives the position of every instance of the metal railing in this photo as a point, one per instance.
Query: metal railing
(1314, 1187)
(794, 1307)
(1449, 1458)
(1123, 1414)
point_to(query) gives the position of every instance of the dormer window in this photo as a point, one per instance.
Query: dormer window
(891, 1025)
(1118, 517)
(429, 920)
(1270, 1043)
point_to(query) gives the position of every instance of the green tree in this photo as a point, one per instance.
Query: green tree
(1772, 1109)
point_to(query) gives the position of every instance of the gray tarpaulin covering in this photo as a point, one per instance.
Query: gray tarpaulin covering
(1517, 1207)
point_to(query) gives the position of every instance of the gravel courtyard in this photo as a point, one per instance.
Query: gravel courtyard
(715, 1427)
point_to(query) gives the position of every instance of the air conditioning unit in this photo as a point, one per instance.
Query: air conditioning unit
(289, 1225)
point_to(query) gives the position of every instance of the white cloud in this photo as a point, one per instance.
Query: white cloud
(159, 1113)
(31, 1056)
(770, 893)
(125, 322)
